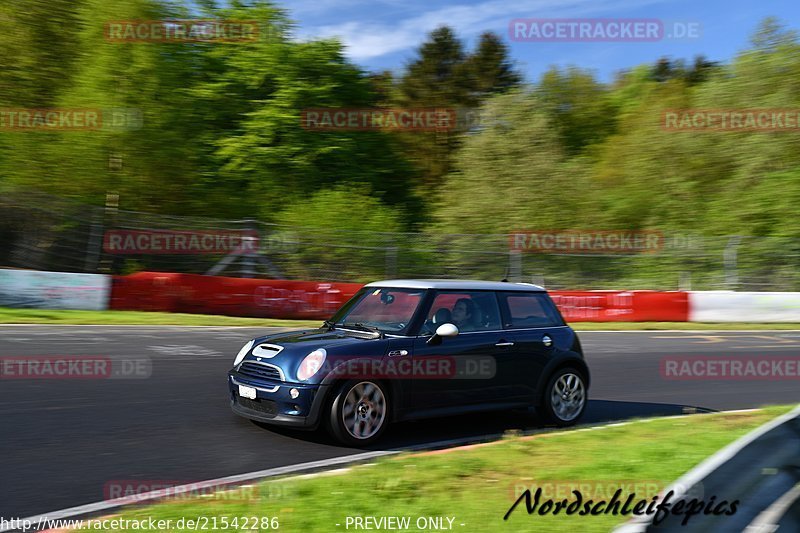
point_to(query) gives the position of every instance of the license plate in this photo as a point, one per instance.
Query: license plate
(247, 392)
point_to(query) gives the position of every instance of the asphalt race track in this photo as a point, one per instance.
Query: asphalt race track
(64, 440)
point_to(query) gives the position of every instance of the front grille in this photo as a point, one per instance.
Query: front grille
(263, 406)
(255, 370)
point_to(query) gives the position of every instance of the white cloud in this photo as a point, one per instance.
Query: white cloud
(367, 40)
(318, 7)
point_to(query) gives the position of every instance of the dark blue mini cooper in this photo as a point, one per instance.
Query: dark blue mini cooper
(408, 349)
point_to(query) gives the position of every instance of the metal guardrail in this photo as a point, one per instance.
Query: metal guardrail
(761, 470)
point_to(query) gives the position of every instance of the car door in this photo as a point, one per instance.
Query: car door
(539, 333)
(461, 370)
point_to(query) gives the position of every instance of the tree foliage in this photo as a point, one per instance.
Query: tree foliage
(216, 129)
(573, 152)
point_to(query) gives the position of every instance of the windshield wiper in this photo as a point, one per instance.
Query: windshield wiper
(328, 324)
(364, 327)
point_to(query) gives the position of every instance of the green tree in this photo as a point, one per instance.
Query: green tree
(335, 243)
(490, 68)
(581, 108)
(438, 76)
(761, 77)
(216, 127)
(514, 174)
(269, 159)
(38, 50)
(147, 160)
(444, 75)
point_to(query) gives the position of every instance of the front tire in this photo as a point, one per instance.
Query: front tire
(359, 413)
(565, 397)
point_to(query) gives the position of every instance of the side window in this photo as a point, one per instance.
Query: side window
(530, 310)
(469, 311)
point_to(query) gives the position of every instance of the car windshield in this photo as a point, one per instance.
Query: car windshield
(380, 309)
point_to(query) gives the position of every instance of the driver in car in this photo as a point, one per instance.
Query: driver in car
(465, 314)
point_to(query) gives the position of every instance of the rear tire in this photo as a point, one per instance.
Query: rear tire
(565, 397)
(359, 412)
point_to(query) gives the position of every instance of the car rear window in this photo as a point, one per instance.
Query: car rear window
(529, 310)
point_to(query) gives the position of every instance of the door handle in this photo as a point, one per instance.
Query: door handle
(504, 343)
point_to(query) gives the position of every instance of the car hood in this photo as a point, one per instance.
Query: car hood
(294, 346)
(311, 339)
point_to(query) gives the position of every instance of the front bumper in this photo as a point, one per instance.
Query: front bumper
(274, 405)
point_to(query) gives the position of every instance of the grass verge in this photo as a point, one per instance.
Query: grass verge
(477, 485)
(60, 316)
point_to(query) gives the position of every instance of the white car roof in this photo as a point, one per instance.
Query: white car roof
(456, 284)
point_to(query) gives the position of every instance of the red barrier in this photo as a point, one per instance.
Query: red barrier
(145, 291)
(622, 306)
(193, 293)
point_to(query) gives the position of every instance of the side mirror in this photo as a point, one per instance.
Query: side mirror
(445, 330)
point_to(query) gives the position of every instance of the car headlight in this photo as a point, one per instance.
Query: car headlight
(243, 352)
(311, 364)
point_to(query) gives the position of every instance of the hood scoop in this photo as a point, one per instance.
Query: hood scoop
(267, 350)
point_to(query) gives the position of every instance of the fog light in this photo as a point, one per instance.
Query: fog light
(294, 393)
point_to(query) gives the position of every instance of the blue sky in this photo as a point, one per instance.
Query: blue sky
(383, 34)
